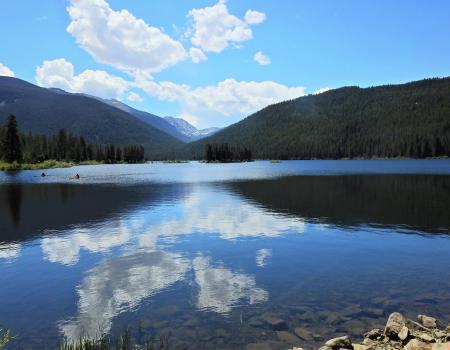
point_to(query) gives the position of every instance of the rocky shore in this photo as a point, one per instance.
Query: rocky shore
(400, 333)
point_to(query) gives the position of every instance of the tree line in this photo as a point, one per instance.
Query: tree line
(226, 153)
(29, 148)
(410, 120)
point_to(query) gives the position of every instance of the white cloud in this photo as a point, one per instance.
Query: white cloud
(262, 257)
(197, 55)
(262, 59)
(5, 71)
(59, 73)
(254, 17)
(66, 250)
(325, 89)
(134, 97)
(222, 289)
(214, 28)
(119, 285)
(10, 251)
(120, 39)
(229, 98)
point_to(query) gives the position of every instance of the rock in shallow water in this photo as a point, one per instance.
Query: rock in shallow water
(427, 321)
(340, 343)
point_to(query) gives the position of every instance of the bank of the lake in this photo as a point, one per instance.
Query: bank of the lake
(48, 164)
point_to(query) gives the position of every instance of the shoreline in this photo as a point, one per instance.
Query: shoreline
(399, 333)
(55, 164)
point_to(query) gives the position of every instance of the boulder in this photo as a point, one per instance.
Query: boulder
(441, 346)
(415, 344)
(394, 325)
(340, 343)
(424, 337)
(427, 321)
(403, 334)
(360, 347)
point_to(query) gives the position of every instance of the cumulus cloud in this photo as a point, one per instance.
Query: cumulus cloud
(10, 251)
(134, 97)
(262, 59)
(222, 289)
(254, 17)
(197, 55)
(119, 285)
(120, 39)
(5, 71)
(214, 28)
(229, 98)
(263, 256)
(59, 73)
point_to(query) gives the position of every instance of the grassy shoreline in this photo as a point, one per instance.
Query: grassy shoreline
(48, 164)
(54, 164)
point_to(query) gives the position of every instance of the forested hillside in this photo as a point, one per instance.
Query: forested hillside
(46, 111)
(408, 120)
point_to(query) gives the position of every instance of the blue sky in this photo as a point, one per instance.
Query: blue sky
(169, 59)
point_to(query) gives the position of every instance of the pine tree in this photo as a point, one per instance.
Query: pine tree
(11, 147)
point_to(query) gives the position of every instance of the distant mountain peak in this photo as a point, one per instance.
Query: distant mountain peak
(190, 130)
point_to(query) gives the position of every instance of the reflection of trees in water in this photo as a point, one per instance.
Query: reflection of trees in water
(14, 197)
(418, 202)
(57, 206)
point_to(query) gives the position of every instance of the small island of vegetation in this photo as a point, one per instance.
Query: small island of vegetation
(224, 153)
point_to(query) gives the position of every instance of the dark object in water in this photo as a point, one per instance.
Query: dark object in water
(77, 176)
(43, 175)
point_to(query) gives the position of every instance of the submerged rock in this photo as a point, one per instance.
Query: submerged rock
(275, 322)
(340, 343)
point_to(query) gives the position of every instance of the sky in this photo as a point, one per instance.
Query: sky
(214, 62)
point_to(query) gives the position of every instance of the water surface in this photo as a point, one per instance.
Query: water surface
(207, 255)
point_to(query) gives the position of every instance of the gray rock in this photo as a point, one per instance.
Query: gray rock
(340, 343)
(415, 344)
(394, 325)
(403, 334)
(288, 337)
(275, 322)
(424, 337)
(427, 321)
(374, 334)
(303, 333)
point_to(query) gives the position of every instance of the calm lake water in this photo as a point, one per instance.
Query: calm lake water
(223, 256)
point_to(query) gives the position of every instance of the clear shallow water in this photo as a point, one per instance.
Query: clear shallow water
(206, 254)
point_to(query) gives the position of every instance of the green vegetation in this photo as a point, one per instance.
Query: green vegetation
(175, 161)
(28, 151)
(123, 342)
(410, 120)
(46, 111)
(5, 337)
(225, 153)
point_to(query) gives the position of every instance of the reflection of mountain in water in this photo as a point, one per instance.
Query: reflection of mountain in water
(26, 210)
(418, 202)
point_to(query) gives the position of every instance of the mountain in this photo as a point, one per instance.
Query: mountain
(148, 118)
(45, 111)
(407, 120)
(190, 131)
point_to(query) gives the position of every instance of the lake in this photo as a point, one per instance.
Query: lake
(223, 256)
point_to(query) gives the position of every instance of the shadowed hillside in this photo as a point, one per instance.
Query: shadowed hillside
(408, 120)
